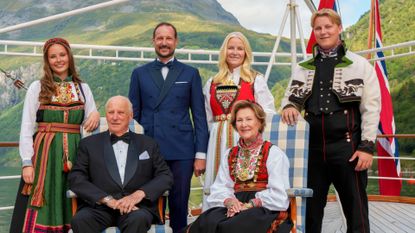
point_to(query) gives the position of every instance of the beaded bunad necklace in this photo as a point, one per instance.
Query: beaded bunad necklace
(247, 159)
(64, 94)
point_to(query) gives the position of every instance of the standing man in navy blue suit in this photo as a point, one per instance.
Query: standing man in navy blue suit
(167, 96)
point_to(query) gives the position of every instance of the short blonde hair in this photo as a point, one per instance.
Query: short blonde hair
(247, 73)
(331, 14)
(258, 110)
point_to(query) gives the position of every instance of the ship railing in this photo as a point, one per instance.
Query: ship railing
(195, 56)
(401, 178)
(127, 53)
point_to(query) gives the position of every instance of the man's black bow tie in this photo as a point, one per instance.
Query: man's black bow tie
(125, 138)
(160, 64)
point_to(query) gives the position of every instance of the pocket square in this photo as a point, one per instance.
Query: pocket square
(144, 156)
(183, 82)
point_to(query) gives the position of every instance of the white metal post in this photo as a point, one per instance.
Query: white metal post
(300, 31)
(277, 43)
(292, 9)
(292, 6)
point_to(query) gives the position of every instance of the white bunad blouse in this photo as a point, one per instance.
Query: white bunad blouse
(274, 197)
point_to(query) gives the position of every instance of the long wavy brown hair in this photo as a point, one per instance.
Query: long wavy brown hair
(47, 87)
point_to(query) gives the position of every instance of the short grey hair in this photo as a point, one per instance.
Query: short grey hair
(130, 105)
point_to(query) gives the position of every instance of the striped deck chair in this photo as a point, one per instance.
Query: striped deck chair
(293, 140)
(137, 128)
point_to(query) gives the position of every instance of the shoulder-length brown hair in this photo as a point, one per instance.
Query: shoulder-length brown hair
(47, 87)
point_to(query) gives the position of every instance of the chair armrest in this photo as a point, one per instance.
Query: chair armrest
(299, 192)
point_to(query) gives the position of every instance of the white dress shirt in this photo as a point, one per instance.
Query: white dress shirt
(120, 152)
(165, 69)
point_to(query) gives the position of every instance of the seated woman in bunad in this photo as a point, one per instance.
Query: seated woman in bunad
(54, 109)
(236, 80)
(249, 190)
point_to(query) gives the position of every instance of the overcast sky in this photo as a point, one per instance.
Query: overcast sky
(266, 15)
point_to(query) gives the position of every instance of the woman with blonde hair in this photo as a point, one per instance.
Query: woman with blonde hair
(236, 80)
(54, 109)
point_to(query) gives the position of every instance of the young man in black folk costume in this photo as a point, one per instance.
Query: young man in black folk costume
(340, 94)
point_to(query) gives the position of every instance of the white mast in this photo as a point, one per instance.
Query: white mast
(295, 19)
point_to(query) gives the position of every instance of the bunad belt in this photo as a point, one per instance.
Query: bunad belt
(45, 133)
(221, 119)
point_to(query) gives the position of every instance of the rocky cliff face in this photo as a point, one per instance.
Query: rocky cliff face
(9, 94)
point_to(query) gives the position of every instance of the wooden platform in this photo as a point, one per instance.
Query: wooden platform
(384, 217)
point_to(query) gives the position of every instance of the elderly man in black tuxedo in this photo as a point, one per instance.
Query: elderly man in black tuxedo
(118, 176)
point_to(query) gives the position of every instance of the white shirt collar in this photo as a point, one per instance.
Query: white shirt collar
(171, 59)
(128, 130)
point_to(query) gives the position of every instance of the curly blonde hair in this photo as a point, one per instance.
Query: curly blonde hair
(247, 73)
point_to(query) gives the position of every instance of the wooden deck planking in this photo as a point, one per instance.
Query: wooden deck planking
(376, 216)
(333, 221)
(407, 213)
(394, 214)
(383, 216)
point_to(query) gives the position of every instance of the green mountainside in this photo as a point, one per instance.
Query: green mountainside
(397, 19)
(201, 24)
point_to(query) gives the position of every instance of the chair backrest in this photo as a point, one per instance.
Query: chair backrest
(103, 126)
(293, 140)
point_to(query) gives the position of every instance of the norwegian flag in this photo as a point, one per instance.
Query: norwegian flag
(331, 4)
(386, 147)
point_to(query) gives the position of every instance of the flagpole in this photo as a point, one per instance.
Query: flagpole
(385, 146)
(371, 31)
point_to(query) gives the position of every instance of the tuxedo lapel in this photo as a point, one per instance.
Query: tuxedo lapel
(110, 161)
(156, 75)
(132, 159)
(174, 72)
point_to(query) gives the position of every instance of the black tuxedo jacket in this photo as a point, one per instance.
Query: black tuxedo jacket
(95, 173)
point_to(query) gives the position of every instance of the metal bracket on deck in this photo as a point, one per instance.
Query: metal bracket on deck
(17, 82)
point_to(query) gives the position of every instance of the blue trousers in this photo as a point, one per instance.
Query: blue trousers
(179, 194)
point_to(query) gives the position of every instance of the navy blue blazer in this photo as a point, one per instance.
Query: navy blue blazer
(166, 108)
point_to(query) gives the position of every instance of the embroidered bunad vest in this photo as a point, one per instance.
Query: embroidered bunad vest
(259, 181)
